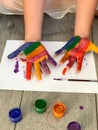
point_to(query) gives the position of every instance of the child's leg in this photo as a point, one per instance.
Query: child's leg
(85, 11)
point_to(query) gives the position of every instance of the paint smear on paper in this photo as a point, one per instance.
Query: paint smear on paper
(16, 69)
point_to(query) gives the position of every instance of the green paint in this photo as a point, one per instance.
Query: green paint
(75, 42)
(31, 48)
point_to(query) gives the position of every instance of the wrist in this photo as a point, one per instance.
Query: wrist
(32, 40)
(82, 31)
(32, 37)
(82, 35)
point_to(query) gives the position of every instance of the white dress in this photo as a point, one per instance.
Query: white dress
(54, 8)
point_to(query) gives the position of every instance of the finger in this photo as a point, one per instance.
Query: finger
(65, 70)
(69, 43)
(69, 65)
(37, 70)
(17, 51)
(79, 63)
(92, 47)
(52, 60)
(61, 50)
(28, 70)
(64, 58)
(71, 60)
(45, 66)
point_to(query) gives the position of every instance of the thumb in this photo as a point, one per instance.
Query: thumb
(18, 50)
(92, 47)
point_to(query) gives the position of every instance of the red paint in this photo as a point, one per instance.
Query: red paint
(64, 71)
(77, 55)
(28, 70)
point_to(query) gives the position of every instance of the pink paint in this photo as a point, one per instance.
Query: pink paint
(33, 59)
(23, 60)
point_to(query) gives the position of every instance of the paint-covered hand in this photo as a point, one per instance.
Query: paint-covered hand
(75, 50)
(37, 56)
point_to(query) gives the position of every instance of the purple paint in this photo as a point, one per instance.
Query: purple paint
(81, 107)
(52, 60)
(86, 62)
(74, 126)
(16, 69)
(45, 66)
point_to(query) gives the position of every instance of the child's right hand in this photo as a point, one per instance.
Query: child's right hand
(36, 54)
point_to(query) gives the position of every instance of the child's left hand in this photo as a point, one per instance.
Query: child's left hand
(75, 50)
(37, 55)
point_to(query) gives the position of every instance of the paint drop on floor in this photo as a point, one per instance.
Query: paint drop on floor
(81, 107)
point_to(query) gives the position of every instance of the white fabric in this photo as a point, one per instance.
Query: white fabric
(11, 7)
(54, 8)
(60, 13)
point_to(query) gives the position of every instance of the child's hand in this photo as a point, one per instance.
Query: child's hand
(36, 54)
(75, 50)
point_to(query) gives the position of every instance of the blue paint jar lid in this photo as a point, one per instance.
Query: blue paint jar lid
(15, 115)
(73, 126)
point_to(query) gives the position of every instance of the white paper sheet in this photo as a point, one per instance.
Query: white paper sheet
(16, 81)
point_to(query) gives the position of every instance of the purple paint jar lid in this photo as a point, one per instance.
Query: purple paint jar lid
(73, 126)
